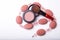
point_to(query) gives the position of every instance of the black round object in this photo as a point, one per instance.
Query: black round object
(35, 8)
(30, 16)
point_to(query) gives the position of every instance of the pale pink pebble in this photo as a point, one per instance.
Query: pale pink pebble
(24, 8)
(37, 3)
(53, 24)
(41, 32)
(49, 12)
(19, 19)
(28, 26)
(43, 21)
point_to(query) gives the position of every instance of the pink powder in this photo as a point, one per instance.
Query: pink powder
(29, 16)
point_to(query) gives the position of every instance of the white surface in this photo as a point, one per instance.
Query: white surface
(9, 29)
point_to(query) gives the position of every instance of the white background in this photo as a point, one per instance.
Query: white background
(9, 29)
